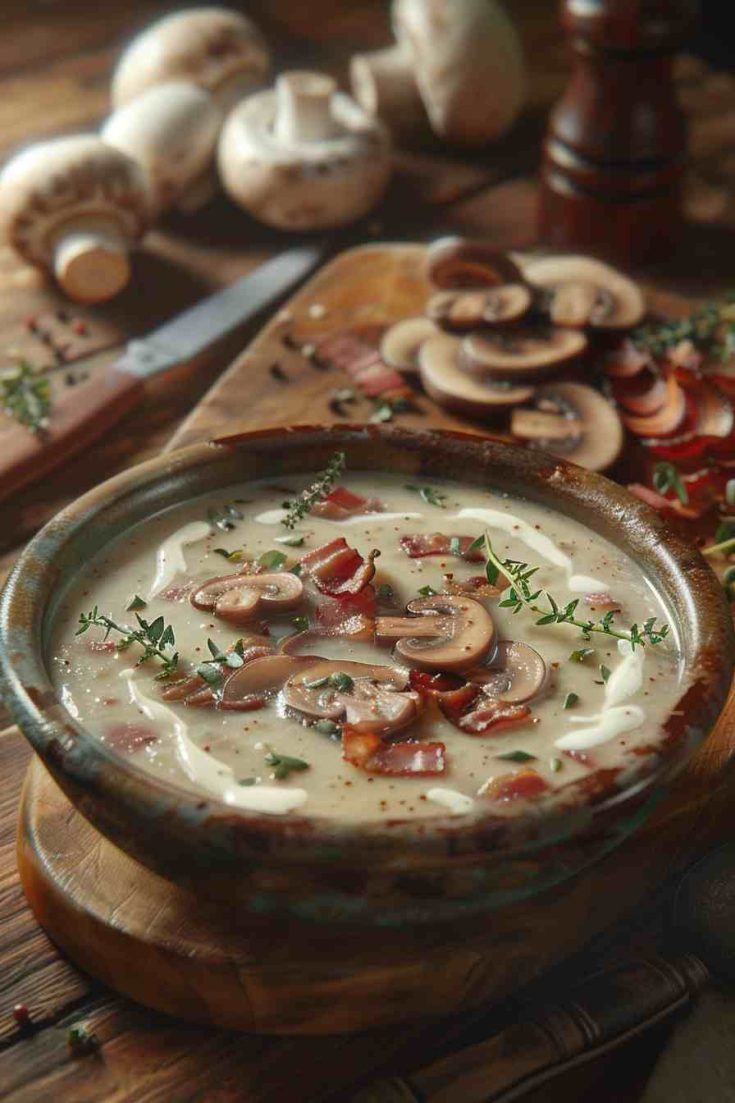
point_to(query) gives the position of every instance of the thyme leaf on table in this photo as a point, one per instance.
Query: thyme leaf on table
(520, 595)
(156, 638)
(25, 395)
(318, 490)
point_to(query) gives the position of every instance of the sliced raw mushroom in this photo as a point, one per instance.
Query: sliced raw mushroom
(455, 262)
(237, 597)
(261, 676)
(667, 419)
(580, 291)
(574, 421)
(520, 355)
(516, 674)
(401, 343)
(444, 632)
(473, 309)
(445, 381)
(367, 697)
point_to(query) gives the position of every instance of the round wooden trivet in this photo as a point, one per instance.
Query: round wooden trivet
(167, 947)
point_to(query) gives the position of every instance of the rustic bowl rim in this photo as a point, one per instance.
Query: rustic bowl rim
(87, 768)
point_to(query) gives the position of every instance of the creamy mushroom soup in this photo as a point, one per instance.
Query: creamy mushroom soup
(348, 647)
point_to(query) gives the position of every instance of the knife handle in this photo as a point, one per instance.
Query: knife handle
(607, 1009)
(79, 415)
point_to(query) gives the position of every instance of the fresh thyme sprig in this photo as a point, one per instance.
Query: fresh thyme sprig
(710, 328)
(667, 477)
(155, 637)
(318, 490)
(520, 595)
(26, 396)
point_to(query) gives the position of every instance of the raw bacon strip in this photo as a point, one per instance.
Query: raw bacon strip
(341, 503)
(425, 682)
(368, 752)
(523, 785)
(666, 505)
(437, 543)
(363, 363)
(339, 570)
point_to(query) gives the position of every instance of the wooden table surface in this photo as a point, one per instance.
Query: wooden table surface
(55, 60)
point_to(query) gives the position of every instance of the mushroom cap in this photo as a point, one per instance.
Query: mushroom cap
(459, 262)
(171, 130)
(574, 421)
(468, 65)
(583, 291)
(64, 180)
(304, 185)
(447, 383)
(219, 49)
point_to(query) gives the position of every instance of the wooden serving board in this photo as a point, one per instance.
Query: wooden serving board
(108, 912)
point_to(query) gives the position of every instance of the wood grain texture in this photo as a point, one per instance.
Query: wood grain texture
(105, 910)
(54, 62)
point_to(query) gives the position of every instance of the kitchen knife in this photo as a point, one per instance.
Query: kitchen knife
(110, 386)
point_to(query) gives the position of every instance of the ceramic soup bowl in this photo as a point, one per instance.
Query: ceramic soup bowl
(385, 872)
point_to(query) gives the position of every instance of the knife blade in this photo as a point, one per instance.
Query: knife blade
(112, 385)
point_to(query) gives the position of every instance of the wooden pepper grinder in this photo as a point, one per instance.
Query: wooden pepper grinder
(613, 156)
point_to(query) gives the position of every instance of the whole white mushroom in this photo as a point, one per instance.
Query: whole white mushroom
(457, 64)
(219, 49)
(303, 156)
(171, 130)
(76, 207)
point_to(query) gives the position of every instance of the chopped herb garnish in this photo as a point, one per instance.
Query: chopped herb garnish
(154, 637)
(387, 406)
(427, 591)
(340, 680)
(284, 764)
(135, 603)
(455, 547)
(604, 675)
(293, 541)
(300, 623)
(328, 727)
(666, 477)
(383, 412)
(211, 673)
(384, 592)
(317, 683)
(233, 556)
(710, 328)
(224, 519)
(429, 494)
(25, 395)
(318, 490)
(81, 1041)
(296, 569)
(247, 781)
(516, 756)
(271, 560)
(570, 700)
(521, 595)
(581, 654)
(556, 765)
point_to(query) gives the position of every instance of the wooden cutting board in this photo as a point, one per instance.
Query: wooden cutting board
(107, 911)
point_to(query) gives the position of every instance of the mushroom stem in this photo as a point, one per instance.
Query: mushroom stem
(304, 107)
(397, 628)
(91, 261)
(384, 84)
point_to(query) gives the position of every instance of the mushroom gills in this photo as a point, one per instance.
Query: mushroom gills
(580, 291)
(529, 353)
(443, 632)
(474, 309)
(574, 421)
(446, 382)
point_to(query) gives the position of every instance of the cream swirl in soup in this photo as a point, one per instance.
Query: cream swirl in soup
(355, 657)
